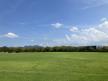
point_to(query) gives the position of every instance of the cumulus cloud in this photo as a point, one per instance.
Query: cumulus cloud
(73, 29)
(11, 35)
(90, 36)
(57, 25)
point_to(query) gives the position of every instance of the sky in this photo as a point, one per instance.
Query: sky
(53, 22)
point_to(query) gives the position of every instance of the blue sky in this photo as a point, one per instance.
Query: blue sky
(53, 22)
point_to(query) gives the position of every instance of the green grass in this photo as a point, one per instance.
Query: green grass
(79, 66)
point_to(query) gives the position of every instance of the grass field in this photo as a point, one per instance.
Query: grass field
(62, 66)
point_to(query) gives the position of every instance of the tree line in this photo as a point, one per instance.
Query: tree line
(54, 49)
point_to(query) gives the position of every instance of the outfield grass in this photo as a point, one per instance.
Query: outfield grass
(62, 66)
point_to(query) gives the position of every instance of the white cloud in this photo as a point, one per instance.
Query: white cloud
(92, 35)
(68, 37)
(32, 40)
(94, 3)
(73, 29)
(57, 25)
(11, 35)
(104, 19)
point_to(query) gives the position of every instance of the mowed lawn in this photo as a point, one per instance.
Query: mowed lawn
(63, 66)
